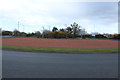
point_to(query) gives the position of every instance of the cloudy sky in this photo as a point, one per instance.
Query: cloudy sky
(33, 15)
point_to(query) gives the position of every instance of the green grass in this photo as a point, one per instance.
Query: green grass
(39, 49)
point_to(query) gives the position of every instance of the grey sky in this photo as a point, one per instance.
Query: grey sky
(99, 17)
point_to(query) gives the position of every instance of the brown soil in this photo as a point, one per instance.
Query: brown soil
(60, 43)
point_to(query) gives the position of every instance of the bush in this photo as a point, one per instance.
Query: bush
(117, 37)
(56, 34)
(100, 36)
(83, 37)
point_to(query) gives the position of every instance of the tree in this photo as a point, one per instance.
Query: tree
(23, 34)
(69, 30)
(38, 34)
(0, 31)
(116, 36)
(46, 31)
(6, 32)
(100, 36)
(63, 30)
(16, 32)
(76, 29)
(54, 29)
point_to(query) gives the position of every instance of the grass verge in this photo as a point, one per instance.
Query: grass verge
(39, 49)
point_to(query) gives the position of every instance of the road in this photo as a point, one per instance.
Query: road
(18, 64)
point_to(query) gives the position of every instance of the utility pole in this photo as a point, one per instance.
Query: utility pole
(18, 29)
(94, 31)
(23, 31)
(65, 30)
(18, 25)
(49, 28)
(43, 32)
(23, 28)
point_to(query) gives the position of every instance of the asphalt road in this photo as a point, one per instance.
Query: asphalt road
(59, 65)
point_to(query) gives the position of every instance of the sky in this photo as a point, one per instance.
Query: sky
(33, 15)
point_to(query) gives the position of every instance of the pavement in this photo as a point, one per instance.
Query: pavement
(18, 64)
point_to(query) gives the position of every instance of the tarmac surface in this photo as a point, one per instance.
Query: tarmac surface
(18, 64)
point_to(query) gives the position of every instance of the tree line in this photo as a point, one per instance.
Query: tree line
(72, 31)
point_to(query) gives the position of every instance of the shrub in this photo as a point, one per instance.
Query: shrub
(100, 36)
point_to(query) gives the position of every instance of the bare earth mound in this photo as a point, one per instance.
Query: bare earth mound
(57, 43)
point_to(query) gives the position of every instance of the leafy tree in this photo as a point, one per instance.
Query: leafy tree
(28, 35)
(100, 36)
(16, 32)
(46, 31)
(76, 29)
(54, 29)
(32, 34)
(6, 32)
(117, 36)
(23, 34)
(63, 30)
(38, 34)
(69, 30)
